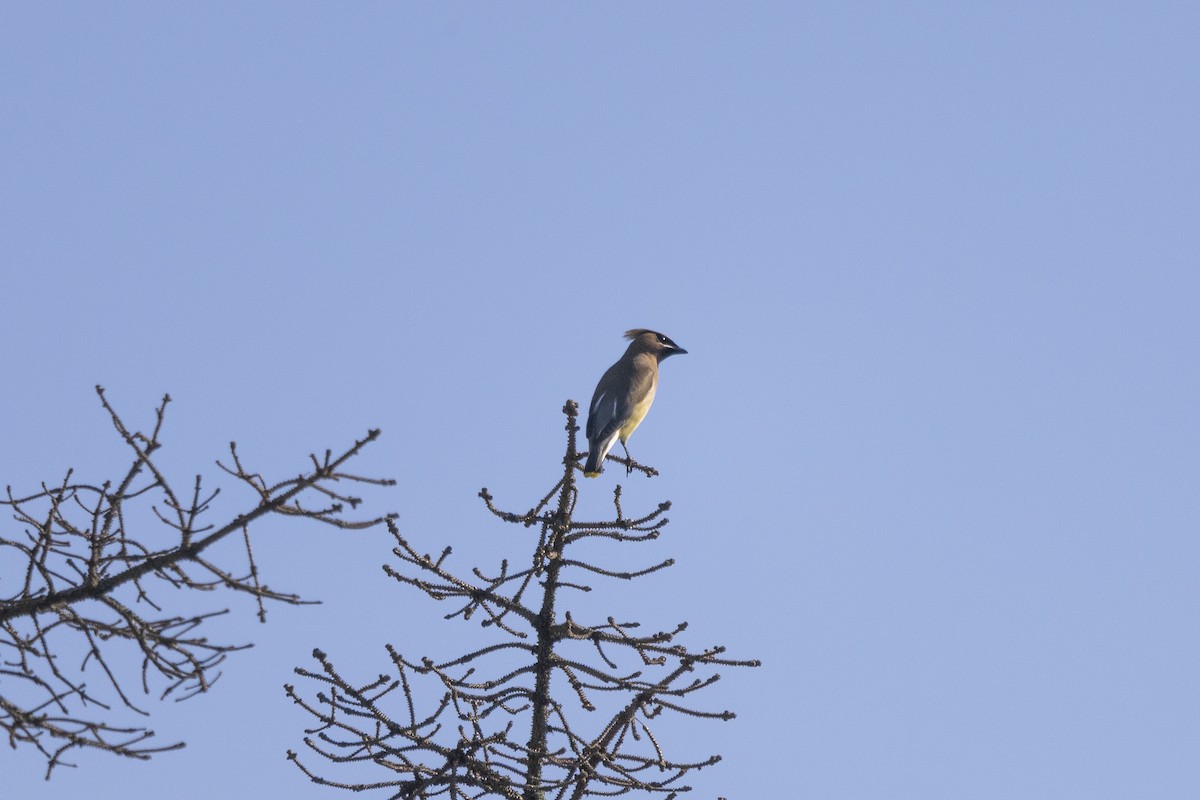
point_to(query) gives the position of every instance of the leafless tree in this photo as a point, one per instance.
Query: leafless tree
(93, 565)
(551, 707)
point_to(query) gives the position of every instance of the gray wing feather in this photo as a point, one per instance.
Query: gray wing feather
(610, 408)
(607, 414)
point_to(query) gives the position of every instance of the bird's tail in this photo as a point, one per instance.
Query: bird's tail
(591, 469)
(598, 448)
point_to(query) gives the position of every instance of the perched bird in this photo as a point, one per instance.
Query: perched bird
(624, 394)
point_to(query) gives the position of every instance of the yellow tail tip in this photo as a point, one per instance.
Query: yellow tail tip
(587, 474)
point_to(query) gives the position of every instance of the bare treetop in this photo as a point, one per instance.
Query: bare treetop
(550, 706)
(87, 628)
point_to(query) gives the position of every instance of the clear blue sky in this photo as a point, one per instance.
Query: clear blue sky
(934, 454)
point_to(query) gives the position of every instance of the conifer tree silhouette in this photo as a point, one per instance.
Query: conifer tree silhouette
(94, 566)
(550, 706)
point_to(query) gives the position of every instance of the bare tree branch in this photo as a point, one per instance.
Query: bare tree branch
(93, 562)
(552, 709)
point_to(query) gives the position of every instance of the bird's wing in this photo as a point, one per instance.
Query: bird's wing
(607, 413)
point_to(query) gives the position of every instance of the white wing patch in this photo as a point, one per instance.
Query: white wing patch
(606, 445)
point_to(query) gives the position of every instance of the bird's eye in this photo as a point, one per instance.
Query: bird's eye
(664, 340)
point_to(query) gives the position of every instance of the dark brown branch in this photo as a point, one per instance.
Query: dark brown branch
(466, 746)
(94, 560)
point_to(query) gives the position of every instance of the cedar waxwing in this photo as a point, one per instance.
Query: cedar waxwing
(624, 394)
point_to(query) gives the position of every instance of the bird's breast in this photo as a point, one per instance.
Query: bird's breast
(638, 414)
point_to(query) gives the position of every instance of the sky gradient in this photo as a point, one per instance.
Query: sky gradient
(933, 454)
